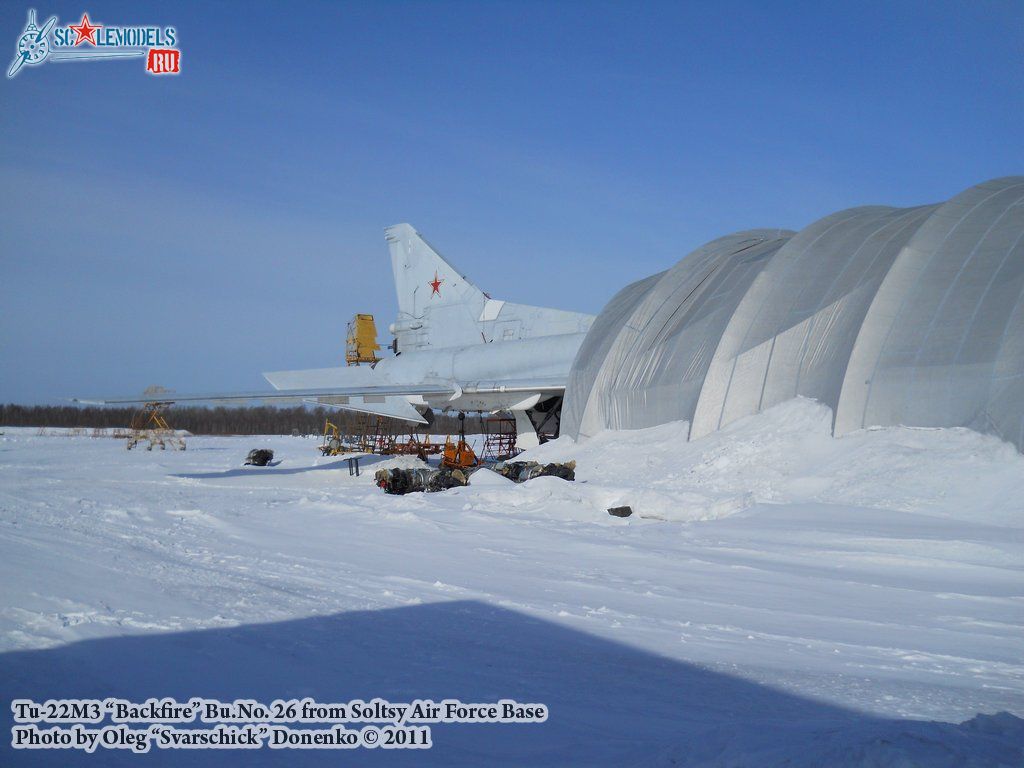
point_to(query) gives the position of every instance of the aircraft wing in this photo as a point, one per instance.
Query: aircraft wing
(272, 394)
(380, 399)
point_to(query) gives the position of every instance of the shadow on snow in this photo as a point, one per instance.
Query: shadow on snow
(610, 704)
(365, 462)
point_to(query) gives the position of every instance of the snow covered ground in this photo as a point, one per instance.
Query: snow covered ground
(779, 597)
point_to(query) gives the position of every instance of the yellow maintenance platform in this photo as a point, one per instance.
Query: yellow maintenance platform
(361, 341)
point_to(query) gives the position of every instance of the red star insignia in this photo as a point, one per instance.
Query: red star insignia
(435, 284)
(86, 32)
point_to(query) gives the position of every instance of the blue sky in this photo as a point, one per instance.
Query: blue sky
(194, 231)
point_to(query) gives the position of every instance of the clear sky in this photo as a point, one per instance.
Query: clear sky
(193, 231)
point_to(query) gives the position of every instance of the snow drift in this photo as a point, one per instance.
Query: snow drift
(788, 455)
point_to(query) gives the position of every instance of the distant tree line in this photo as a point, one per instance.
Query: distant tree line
(255, 420)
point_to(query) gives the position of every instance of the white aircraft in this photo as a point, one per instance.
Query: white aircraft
(455, 348)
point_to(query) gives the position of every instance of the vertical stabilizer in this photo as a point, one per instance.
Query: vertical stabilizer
(439, 307)
(424, 280)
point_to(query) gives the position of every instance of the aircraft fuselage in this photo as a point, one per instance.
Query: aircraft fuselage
(475, 367)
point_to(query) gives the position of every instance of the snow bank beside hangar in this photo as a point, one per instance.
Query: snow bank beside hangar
(787, 455)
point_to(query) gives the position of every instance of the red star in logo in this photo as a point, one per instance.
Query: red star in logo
(435, 284)
(86, 32)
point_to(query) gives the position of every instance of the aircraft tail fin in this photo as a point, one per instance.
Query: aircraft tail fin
(423, 277)
(439, 306)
